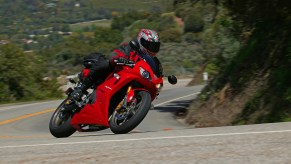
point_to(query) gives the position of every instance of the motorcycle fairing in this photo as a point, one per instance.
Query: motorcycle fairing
(97, 113)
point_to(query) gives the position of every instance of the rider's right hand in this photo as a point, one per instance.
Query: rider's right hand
(121, 60)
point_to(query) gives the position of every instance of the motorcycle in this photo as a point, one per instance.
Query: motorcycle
(120, 103)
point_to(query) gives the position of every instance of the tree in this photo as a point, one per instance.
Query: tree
(21, 81)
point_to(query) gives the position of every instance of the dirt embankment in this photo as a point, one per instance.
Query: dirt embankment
(225, 107)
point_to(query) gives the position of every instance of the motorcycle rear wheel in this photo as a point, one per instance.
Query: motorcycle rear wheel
(60, 127)
(143, 105)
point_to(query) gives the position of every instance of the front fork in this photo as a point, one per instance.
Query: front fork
(128, 101)
(128, 97)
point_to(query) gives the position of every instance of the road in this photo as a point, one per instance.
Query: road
(25, 138)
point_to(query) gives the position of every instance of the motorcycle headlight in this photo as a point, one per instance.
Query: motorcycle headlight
(145, 74)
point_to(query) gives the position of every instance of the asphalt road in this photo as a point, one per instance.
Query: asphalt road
(25, 138)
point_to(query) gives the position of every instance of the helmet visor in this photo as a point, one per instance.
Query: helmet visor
(150, 46)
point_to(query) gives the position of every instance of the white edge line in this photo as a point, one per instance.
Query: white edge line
(142, 139)
(177, 99)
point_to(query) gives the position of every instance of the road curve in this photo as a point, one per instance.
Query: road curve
(158, 139)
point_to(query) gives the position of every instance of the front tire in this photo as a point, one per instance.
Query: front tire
(60, 122)
(142, 107)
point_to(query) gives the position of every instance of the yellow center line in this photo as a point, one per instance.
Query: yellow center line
(25, 116)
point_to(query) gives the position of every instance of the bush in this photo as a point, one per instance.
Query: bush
(182, 12)
(170, 35)
(192, 37)
(165, 22)
(159, 23)
(119, 23)
(20, 81)
(108, 35)
(194, 23)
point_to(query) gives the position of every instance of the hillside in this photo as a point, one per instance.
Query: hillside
(19, 19)
(51, 38)
(190, 36)
(255, 87)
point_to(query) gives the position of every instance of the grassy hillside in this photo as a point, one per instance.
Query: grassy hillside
(126, 5)
(98, 23)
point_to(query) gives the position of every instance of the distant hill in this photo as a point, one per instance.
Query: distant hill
(26, 16)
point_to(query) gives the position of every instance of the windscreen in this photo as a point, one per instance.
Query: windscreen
(152, 63)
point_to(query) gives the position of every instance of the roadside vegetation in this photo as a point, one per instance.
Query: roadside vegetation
(41, 42)
(253, 85)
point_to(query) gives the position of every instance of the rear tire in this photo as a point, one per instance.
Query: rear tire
(61, 128)
(135, 120)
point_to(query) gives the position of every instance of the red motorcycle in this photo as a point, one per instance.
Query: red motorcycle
(120, 103)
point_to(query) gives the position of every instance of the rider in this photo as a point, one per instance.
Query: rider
(149, 45)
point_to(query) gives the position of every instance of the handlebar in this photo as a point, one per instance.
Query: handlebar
(129, 63)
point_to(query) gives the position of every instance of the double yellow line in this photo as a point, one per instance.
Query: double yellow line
(25, 116)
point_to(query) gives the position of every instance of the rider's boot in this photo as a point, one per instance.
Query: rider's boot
(82, 88)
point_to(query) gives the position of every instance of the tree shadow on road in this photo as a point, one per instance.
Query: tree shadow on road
(178, 108)
(173, 106)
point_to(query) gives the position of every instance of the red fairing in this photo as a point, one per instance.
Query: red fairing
(92, 114)
(124, 76)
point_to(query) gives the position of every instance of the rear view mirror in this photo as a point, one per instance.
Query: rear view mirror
(172, 79)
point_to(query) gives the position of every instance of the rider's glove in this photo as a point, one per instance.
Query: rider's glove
(77, 93)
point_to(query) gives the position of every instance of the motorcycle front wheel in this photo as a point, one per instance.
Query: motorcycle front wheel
(126, 119)
(60, 122)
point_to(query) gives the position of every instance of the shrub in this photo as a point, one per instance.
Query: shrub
(108, 35)
(170, 35)
(165, 22)
(192, 37)
(194, 23)
(119, 23)
(181, 12)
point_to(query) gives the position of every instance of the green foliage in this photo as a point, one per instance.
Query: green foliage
(21, 81)
(177, 2)
(159, 23)
(38, 17)
(265, 54)
(212, 69)
(165, 22)
(193, 23)
(119, 23)
(66, 57)
(107, 35)
(170, 35)
(180, 12)
(206, 9)
(192, 38)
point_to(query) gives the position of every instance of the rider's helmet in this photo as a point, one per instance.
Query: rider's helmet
(148, 41)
